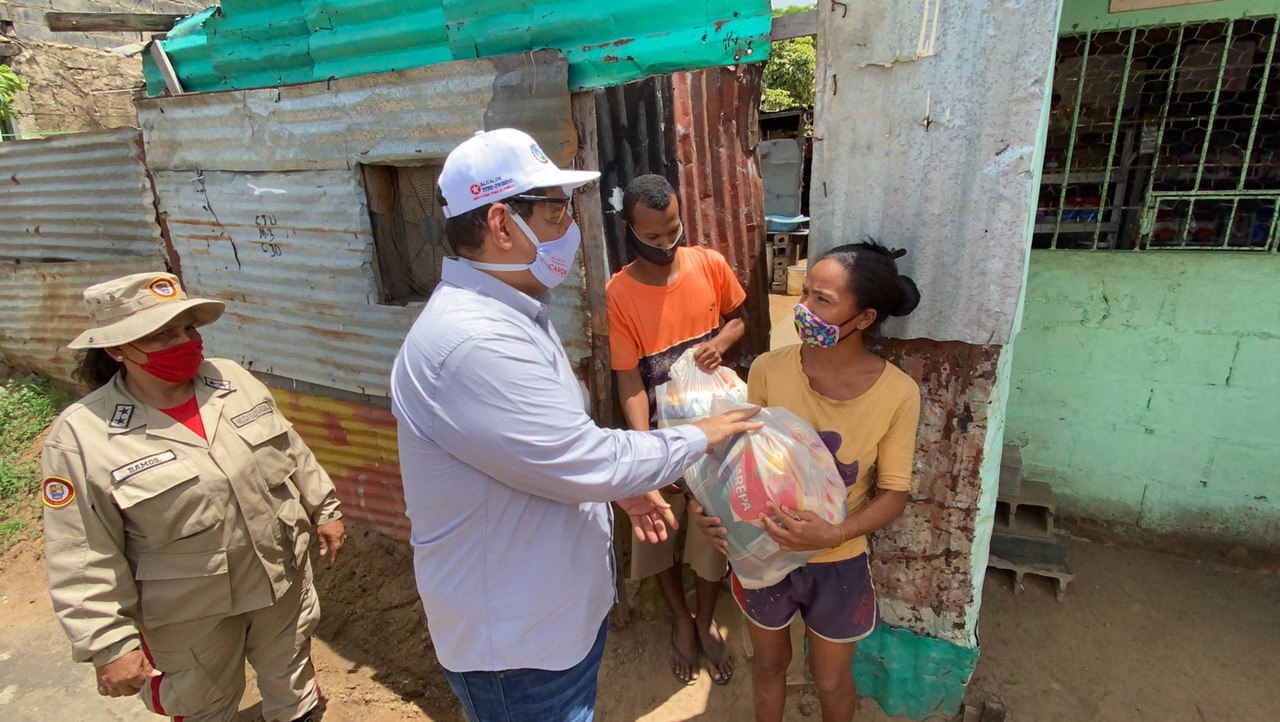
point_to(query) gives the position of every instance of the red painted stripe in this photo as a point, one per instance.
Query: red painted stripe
(146, 650)
(155, 695)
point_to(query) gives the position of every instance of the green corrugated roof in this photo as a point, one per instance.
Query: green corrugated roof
(263, 43)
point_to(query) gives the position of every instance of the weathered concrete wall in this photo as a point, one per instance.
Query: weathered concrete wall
(923, 562)
(1146, 387)
(928, 117)
(928, 133)
(29, 23)
(73, 82)
(70, 88)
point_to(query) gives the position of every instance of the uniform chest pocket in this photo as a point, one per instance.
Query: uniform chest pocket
(268, 438)
(166, 502)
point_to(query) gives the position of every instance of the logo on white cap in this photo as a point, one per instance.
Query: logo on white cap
(497, 164)
(491, 187)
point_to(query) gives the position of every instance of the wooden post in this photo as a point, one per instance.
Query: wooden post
(595, 263)
(797, 25)
(111, 22)
(167, 72)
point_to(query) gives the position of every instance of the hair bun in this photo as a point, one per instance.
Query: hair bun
(910, 295)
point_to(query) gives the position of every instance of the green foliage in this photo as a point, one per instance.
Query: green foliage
(793, 10)
(26, 408)
(789, 75)
(10, 86)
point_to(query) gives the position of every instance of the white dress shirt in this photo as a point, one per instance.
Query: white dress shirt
(507, 479)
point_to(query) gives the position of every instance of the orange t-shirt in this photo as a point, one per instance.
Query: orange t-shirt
(650, 326)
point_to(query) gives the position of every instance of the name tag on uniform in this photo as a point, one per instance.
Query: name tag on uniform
(147, 462)
(251, 415)
(219, 384)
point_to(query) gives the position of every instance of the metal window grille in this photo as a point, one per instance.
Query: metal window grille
(408, 231)
(1164, 138)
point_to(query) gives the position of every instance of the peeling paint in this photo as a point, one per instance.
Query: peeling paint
(356, 444)
(922, 563)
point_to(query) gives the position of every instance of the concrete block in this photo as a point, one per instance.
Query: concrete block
(1256, 364)
(1011, 455)
(1050, 350)
(1010, 480)
(1215, 412)
(1205, 309)
(1081, 399)
(1024, 555)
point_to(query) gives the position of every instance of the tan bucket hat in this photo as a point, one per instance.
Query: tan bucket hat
(126, 309)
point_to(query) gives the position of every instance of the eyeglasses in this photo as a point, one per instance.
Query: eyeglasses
(562, 202)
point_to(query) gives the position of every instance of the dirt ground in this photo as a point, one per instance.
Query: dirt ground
(1141, 636)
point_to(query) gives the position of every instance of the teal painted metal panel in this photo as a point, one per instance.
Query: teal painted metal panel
(912, 675)
(1079, 16)
(263, 43)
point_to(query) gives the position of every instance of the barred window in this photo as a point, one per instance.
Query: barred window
(409, 245)
(1164, 138)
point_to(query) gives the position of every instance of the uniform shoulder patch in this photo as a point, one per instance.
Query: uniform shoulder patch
(57, 492)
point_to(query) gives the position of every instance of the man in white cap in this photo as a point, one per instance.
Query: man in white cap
(506, 477)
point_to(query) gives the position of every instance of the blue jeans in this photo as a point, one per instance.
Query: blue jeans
(532, 695)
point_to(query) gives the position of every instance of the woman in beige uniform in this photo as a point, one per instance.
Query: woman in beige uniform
(179, 509)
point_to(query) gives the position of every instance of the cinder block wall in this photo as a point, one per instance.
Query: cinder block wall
(1146, 388)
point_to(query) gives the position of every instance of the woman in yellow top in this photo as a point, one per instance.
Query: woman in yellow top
(866, 410)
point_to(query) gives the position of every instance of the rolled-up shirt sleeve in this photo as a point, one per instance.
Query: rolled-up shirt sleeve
(508, 413)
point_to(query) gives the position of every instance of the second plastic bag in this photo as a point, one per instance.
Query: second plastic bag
(688, 395)
(786, 463)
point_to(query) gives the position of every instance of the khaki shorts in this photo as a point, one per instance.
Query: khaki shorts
(701, 556)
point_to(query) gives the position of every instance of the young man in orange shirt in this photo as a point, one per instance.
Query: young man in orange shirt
(670, 299)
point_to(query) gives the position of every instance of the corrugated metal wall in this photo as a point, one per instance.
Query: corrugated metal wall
(356, 444)
(717, 131)
(44, 310)
(636, 127)
(232, 168)
(263, 43)
(77, 198)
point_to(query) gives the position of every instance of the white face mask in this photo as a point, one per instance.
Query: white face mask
(553, 260)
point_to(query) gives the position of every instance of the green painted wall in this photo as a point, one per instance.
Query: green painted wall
(1079, 16)
(1146, 389)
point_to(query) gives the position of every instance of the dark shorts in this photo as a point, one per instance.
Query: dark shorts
(836, 600)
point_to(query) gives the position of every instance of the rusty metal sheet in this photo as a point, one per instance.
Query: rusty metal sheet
(274, 221)
(356, 444)
(77, 198)
(44, 310)
(635, 124)
(923, 563)
(400, 118)
(717, 133)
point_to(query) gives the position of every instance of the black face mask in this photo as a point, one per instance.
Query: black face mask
(653, 254)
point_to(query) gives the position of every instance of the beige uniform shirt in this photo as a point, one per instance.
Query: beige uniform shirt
(147, 524)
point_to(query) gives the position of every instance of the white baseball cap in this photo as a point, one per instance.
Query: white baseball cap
(496, 164)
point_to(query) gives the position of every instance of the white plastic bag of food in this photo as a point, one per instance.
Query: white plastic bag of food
(688, 395)
(786, 463)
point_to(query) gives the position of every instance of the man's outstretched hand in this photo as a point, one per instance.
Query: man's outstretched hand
(651, 516)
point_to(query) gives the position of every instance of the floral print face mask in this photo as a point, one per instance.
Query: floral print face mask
(816, 332)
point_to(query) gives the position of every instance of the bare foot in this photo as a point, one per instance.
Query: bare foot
(684, 651)
(716, 650)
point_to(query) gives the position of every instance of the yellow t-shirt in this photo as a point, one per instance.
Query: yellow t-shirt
(873, 432)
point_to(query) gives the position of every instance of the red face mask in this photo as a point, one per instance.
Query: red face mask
(176, 363)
